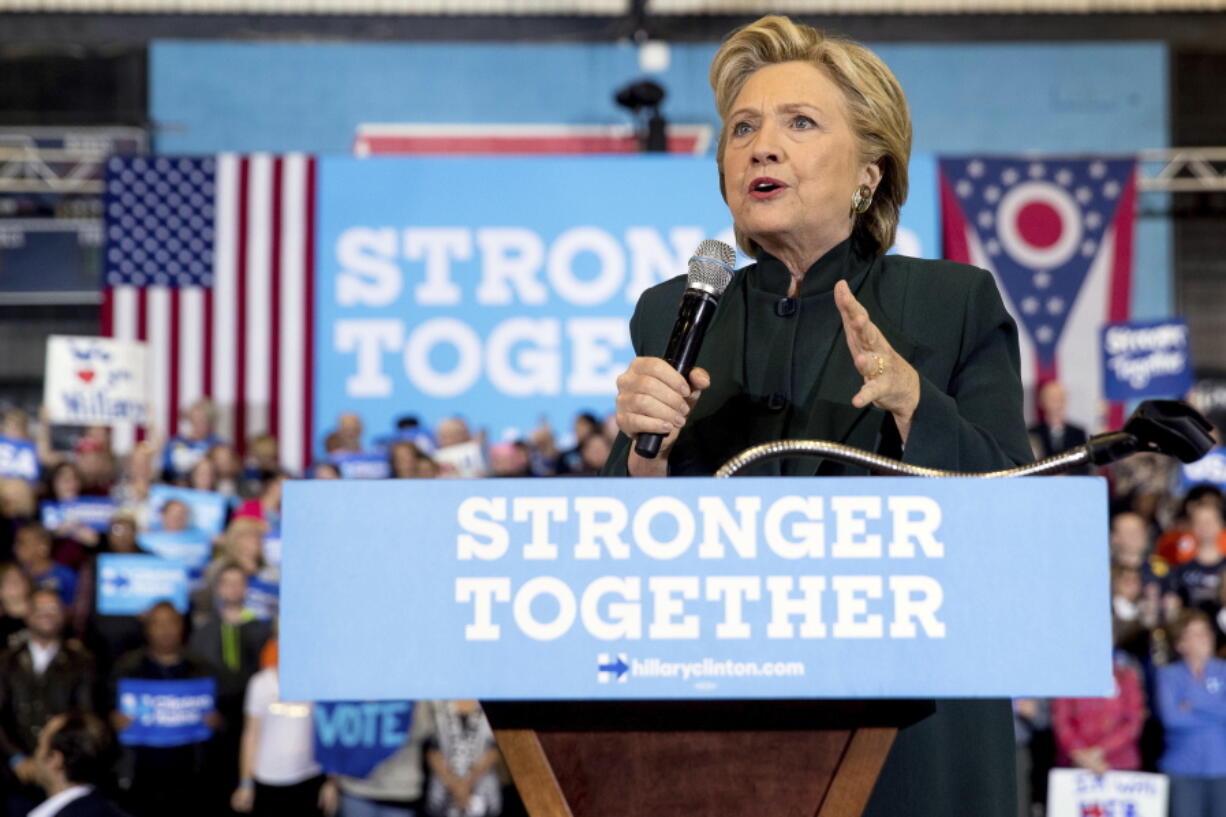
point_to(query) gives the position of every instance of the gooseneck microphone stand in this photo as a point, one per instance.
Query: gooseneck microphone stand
(1167, 427)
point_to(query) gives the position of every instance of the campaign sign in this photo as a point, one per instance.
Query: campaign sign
(1210, 468)
(1081, 793)
(92, 511)
(191, 548)
(18, 458)
(362, 466)
(695, 588)
(95, 381)
(263, 598)
(207, 509)
(131, 583)
(166, 713)
(1146, 359)
(352, 738)
(452, 285)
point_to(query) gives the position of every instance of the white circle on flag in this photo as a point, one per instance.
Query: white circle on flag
(1039, 224)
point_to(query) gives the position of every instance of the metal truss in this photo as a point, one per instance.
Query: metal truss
(1182, 170)
(61, 160)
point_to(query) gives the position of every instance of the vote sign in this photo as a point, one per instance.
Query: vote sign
(95, 381)
(744, 588)
(353, 737)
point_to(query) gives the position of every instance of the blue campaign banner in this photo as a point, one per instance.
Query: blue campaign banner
(1146, 359)
(92, 511)
(1210, 468)
(166, 713)
(353, 737)
(208, 509)
(131, 583)
(263, 598)
(696, 588)
(191, 548)
(447, 286)
(363, 466)
(18, 458)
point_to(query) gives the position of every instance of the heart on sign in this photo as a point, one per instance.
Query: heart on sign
(86, 374)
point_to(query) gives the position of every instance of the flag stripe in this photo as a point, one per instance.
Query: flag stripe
(308, 312)
(191, 350)
(157, 332)
(272, 421)
(240, 286)
(173, 363)
(289, 307)
(257, 303)
(225, 293)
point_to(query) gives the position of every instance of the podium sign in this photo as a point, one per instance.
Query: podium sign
(750, 588)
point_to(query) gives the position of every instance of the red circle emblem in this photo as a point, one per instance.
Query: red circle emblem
(1038, 223)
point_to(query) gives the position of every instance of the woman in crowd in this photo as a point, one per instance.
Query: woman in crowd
(1191, 703)
(462, 758)
(828, 337)
(74, 540)
(1100, 734)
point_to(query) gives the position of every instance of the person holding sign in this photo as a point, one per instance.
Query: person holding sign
(1191, 703)
(165, 778)
(828, 337)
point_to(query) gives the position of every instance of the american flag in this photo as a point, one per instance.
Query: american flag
(211, 261)
(1057, 233)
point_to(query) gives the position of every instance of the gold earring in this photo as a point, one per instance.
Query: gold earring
(861, 199)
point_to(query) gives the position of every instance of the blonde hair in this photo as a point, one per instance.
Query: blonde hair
(875, 104)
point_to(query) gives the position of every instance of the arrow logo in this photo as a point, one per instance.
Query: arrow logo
(609, 668)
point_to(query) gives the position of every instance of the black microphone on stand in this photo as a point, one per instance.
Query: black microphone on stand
(710, 271)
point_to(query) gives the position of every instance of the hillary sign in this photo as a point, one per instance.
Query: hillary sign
(95, 381)
(748, 588)
(452, 285)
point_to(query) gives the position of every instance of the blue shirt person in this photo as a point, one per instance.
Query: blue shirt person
(1191, 703)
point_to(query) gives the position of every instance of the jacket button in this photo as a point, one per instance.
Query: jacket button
(777, 401)
(785, 307)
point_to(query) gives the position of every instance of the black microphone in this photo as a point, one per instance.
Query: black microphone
(709, 273)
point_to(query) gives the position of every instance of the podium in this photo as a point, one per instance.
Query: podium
(698, 758)
(697, 646)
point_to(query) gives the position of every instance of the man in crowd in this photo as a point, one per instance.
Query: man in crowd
(73, 758)
(168, 779)
(43, 677)
(230, 640)
(1054, 434)
(32, 548)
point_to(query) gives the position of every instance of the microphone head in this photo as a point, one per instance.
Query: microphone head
(711, 267)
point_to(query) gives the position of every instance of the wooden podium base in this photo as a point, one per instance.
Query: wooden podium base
(697, 759)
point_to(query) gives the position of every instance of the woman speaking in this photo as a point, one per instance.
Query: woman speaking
(827, 337)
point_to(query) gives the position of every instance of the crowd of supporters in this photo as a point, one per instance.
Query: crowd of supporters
(66, 659)
(64, 656)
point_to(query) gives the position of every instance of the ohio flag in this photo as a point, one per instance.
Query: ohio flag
(1057, 233)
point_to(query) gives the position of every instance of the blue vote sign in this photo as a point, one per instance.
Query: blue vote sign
(207, 509)
(353, 737)
(92, 511)
(131, 583)
(695, 588)
(18, 458)
(166, 713)
(1146, 359)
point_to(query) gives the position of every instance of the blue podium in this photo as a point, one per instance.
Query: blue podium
(617, 628)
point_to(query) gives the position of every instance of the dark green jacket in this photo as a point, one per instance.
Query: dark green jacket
(946, 319)
(949, 322)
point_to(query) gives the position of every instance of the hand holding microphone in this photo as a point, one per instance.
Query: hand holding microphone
(655, 395)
